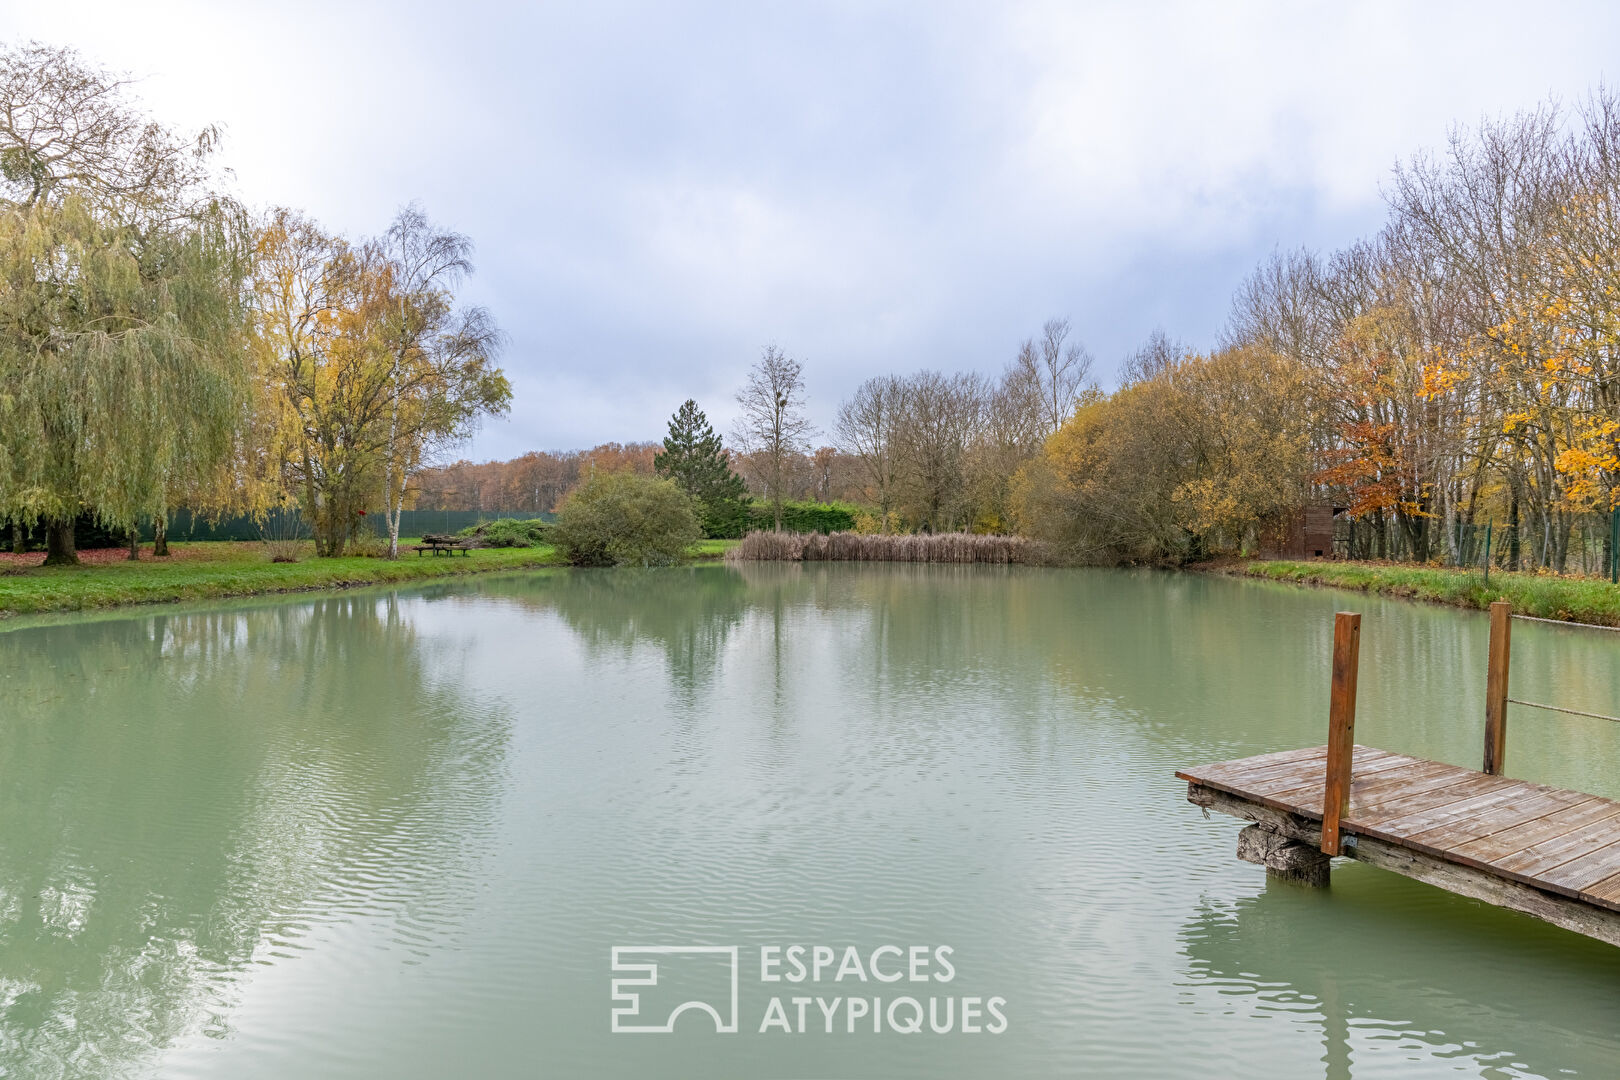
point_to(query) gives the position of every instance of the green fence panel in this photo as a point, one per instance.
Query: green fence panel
(184, 525)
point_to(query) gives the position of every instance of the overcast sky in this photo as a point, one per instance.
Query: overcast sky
(658, 190)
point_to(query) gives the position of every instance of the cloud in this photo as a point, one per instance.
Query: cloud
(657, 191)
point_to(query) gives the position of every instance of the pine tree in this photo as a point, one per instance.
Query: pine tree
(695, 459)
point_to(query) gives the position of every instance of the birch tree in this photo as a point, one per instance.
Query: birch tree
(441, 374)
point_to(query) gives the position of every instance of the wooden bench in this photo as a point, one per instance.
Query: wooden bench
(442, 545)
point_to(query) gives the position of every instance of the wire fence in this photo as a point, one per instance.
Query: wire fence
(1586, 545)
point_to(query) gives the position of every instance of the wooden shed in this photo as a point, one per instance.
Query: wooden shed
(1309, 535)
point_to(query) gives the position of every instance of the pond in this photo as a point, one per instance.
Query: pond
(453, 831)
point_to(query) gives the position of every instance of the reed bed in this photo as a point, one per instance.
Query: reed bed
(865, 547)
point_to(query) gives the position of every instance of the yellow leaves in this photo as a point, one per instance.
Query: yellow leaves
(1590, 465)
(1441, 378)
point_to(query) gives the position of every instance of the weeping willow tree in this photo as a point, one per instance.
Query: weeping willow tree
(123, 378)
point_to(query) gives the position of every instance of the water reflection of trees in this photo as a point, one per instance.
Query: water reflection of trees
(1213, 667)
(1199, 666)
(180, 793)
(688, 614)
(1424, 975)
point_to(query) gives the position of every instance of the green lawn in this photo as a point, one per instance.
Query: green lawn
(1584, 600)
(204, 571)
(705, 550)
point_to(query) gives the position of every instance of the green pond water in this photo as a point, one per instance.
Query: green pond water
(401, 834)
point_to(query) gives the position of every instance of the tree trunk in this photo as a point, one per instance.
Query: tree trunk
(18, 538)
(134, 544)
(160, 537)
(392, 514)
(313, 505)
(59, 547)
(776, 488)
(391, 505)
(1513, 537)
(389, 517)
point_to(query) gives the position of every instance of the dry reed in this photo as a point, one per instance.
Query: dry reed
(867, 547)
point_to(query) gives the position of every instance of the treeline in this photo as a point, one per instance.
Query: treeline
(535, 481)
(1460, 366)
(539, 479)
(925, 452)
(161, 346)
(938, 453)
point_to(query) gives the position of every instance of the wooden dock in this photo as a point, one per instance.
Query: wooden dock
(1544, 851)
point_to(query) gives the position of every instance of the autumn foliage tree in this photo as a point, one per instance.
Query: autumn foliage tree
(1466, 356)
(1209, 451)
(365, 366)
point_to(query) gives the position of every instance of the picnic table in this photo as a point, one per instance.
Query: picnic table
(442, 545)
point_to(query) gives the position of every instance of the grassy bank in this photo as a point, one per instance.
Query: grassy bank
(206, 571)
(1571, 599)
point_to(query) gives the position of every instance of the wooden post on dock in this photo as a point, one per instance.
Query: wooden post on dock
(1341, 727)
(1496, 688)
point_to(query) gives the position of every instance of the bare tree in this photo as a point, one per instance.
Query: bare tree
(940, 423)
(1010, 433)
(866, 429)
(773, 428)
(1155, 356)
(1057, 368)
(822, 462)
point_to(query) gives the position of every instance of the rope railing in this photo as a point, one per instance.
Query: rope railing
(1567, 622)
(1560, 708)
(1496, 686)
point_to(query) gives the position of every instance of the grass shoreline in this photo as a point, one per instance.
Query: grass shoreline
(1571, 600)
(220, 571)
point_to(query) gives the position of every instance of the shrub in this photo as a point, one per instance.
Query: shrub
(724, 519)
(367, 545)
(286, 551)
(624, 519)
(806, 517)
(508, 533)
(284, 534)
(873, 521)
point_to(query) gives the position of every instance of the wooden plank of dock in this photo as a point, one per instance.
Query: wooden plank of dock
(1545, 851)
